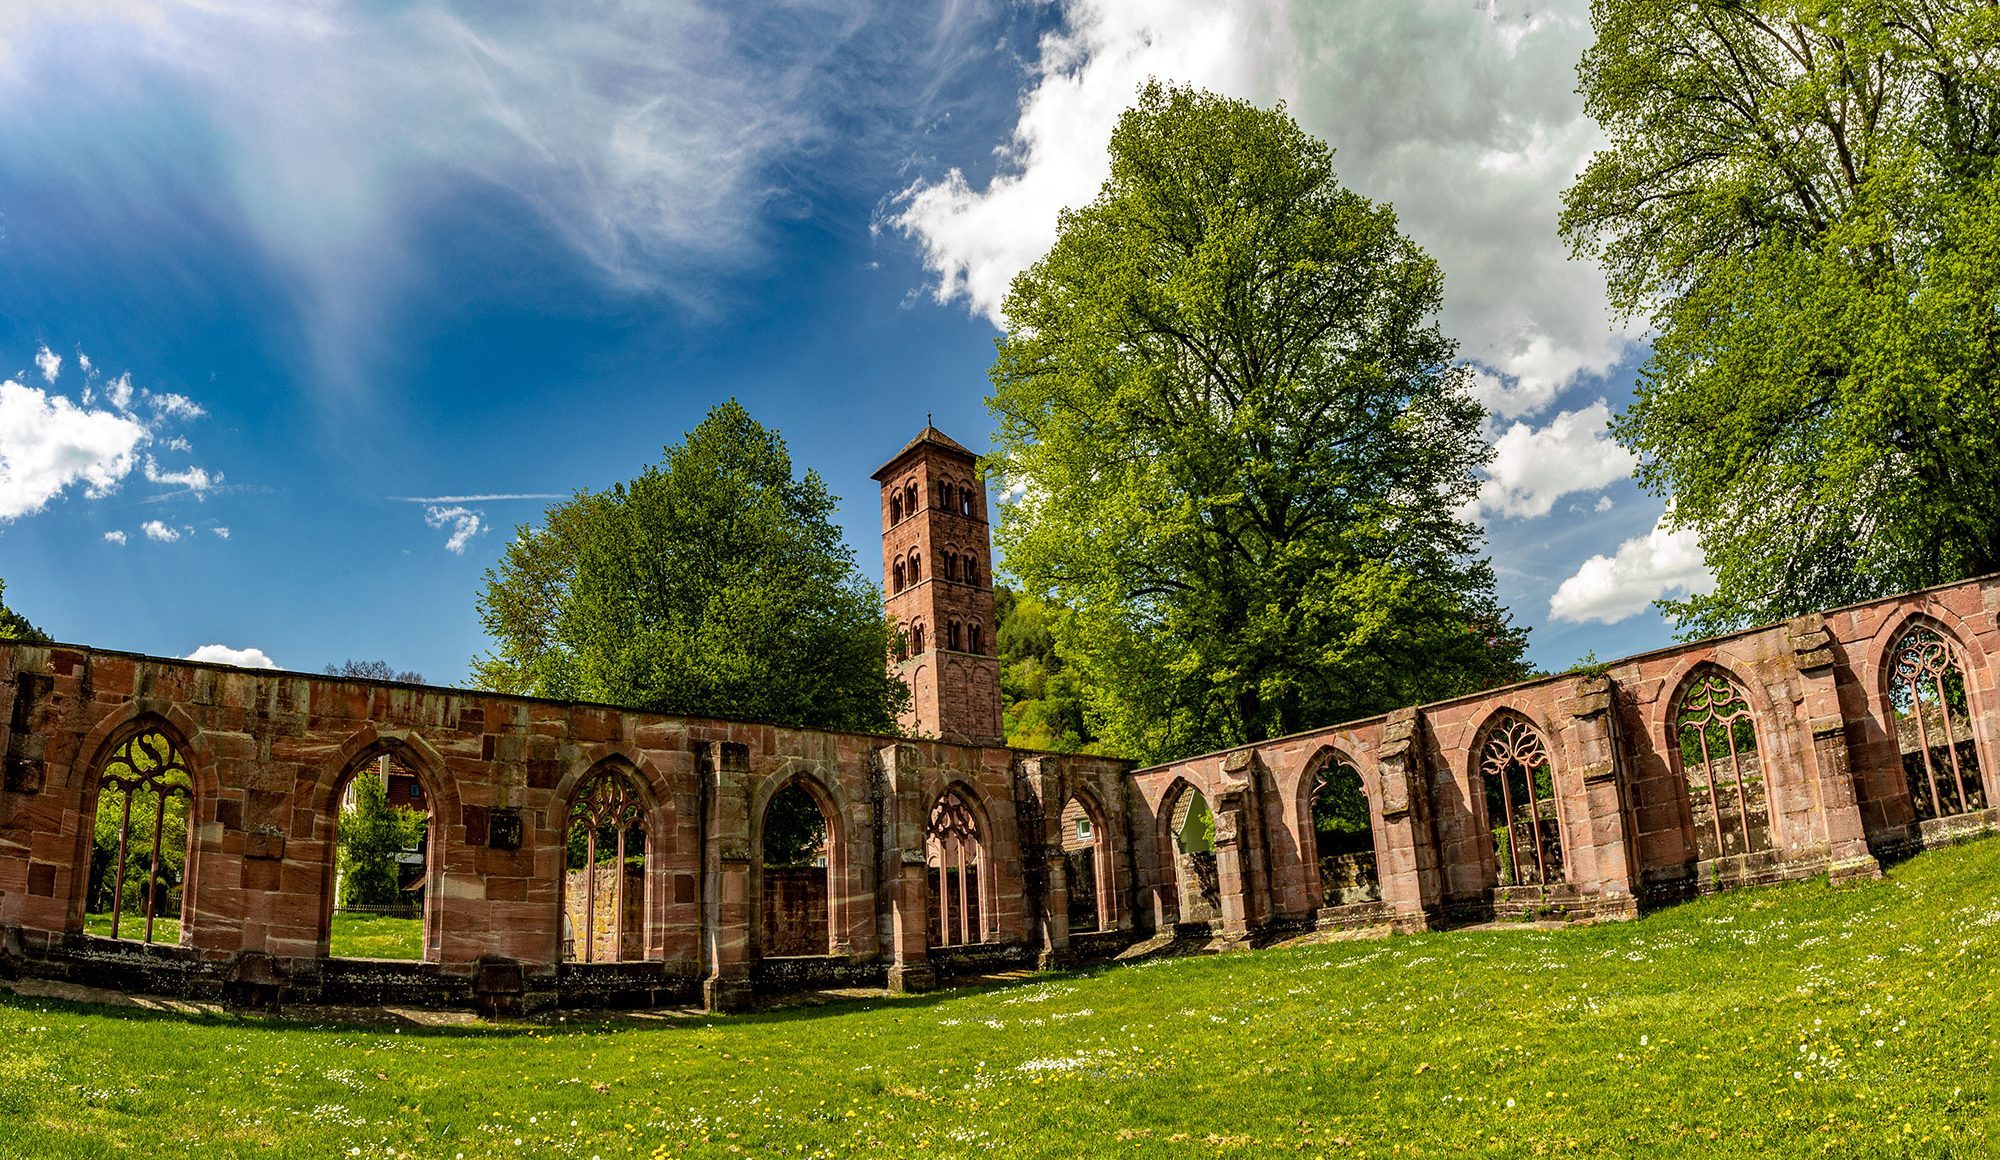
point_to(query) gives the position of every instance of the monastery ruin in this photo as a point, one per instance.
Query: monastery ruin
(1822, 746)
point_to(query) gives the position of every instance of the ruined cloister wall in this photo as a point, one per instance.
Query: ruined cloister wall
(1818, 691)
(270, 754)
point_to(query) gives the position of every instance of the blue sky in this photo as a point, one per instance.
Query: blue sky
(340, 271)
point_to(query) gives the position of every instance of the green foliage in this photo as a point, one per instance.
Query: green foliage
(794, 828)
(1042, 699)
(1340, 812)
(715, 584)
(373, 671)
(14, 626)
(1793, 1021)
(1801, 198)
(145, 820)
(1243, 444)
(372, 834)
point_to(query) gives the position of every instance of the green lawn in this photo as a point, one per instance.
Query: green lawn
(354, 936)
(1794, 1021)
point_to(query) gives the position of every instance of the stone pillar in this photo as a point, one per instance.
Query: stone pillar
(1039, 793)
(1406, 862)
(727, 917)
(910, 968)
(1239, 867)
(1827, 762)
(1593, 707)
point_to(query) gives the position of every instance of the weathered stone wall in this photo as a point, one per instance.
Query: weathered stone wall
(271, 754)
(1819, 693)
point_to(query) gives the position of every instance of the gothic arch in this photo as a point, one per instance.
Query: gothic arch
(953, 908)
(1103, 856)
(440, 791)
(832, 802)
(1190, 865)
(1342, 862)
(100, 748)
(1945, 755)
(1511, 742)
(1705, 725)
(655, 803)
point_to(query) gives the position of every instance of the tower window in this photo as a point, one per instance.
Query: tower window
(971, 571)
(917, 637)
(975, 634)
(951, 565)
(896, 508)
(899, 576)
(965, 501)
(910, 498)
(916, 567)
(957, 642)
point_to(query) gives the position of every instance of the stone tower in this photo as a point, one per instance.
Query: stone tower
(937, 571)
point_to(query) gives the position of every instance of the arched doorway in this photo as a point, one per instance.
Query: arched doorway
(141, 840)
(797, 878)
(955, 857)
(1343, 837)
(1087, 866)
(381, 903)
(1195, 873)
(604, 876)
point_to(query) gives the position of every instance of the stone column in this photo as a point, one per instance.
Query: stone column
(727, 917)
(1827, 762)
(1406, 862)
(1039, 794)
(910, 968)
(1593, 708)
(1239, 868)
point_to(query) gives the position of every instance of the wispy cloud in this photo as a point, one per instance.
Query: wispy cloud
(494, 498)
(160, 531)
(193, 480)
(49, 363)
(115, 537)
(465, 525)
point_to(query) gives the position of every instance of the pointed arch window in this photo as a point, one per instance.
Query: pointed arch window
(1087, 868)
(145, 798)
(898, 577)
(1343, 838)
(1934, 725)
(1197, 878)
(1521, 807)
(955, 853)
(1725, 776)
(604, 882)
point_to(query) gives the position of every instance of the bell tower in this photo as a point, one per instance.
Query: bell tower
(937, 573)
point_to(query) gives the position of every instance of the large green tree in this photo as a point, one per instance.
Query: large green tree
(1041, 697)
(1800, 196)
(716, 583)
(1239, 443)
(14, 626)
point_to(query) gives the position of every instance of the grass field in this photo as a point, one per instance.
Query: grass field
(1793, 1021)
(354, 936)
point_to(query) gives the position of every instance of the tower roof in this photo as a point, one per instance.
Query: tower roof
(929, 435)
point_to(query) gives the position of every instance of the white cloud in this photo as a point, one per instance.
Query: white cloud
(221, 533)
(83, 362)
(48, 444)
(1460, 114)
(242, 658)
(464, 523)
(196, 480)
(115, 537)
(1603, 504)
(1608, 589)
(173, 406)
(159, 530)
(49, 363)
(1534, 467)
(119, 392)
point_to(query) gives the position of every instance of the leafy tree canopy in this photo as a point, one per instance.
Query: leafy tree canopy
(372, 834)
(14, 626)
(1242, 443)
(373, 671)
(716, 584)
(1800, 196)
(1042, 703)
